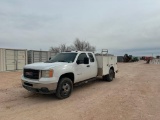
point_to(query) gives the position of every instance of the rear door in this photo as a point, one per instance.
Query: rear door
(92, 65)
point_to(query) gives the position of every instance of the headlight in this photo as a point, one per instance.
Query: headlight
(47, 73)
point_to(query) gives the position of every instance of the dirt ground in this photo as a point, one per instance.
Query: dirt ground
(132, 95)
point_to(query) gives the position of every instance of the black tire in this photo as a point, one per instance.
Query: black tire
(64, 88)
(110, 76)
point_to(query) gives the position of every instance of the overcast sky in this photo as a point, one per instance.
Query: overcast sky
(122, 26)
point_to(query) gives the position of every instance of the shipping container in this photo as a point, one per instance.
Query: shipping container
(120, 59)
(12, 59)
(51, 54)
(39, 56)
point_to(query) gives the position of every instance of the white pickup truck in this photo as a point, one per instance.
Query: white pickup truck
(59, 74)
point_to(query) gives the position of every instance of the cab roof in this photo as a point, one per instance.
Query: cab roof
(78, 52)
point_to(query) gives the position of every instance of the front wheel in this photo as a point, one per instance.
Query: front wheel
(110, 76)
(64, 88)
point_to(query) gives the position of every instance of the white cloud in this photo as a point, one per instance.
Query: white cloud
(115, 24)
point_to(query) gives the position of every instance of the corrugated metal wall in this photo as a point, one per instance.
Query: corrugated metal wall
(44, 56)
(12, 59)
(51, 54)
(36, 56)
(21, 59)
(16, 59)
(2, 59)
(39, 56)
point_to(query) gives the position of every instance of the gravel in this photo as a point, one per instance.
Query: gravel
(132, 95)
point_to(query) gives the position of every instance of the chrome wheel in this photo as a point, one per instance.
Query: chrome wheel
(65, 89)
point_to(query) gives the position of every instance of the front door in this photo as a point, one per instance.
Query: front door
(82, 70)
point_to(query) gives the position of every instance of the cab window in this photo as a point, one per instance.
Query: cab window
(91, 57)
(81, 58)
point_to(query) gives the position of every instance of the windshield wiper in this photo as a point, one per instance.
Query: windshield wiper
(50, 61)
(61, 61)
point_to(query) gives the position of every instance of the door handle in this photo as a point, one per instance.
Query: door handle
(88, 65)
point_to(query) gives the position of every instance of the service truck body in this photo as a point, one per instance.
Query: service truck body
(59, 74)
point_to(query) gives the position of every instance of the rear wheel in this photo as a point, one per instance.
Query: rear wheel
(64, 89)
(110, 76)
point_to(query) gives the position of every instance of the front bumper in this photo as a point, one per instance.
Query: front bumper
(40, 87)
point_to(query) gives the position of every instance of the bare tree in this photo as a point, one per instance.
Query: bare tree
(55, 49)
(89, 47)
(83, 46)
(61, 48)
(77, 45)
(71, 48)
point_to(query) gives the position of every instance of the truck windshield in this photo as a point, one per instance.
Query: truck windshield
(63, 57)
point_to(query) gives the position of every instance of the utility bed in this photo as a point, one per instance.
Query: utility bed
(105, 62)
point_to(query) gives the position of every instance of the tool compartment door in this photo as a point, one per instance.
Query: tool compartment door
(106, 64)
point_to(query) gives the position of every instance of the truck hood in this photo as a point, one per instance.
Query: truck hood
(44, 66)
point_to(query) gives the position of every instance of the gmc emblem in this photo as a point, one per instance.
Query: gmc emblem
(29, 73)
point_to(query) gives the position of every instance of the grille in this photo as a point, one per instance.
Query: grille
(32, 74)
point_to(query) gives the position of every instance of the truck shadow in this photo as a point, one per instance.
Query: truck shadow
(87, 85)
(52, 97)
(31, 95)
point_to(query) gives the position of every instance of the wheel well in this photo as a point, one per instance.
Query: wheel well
(112, 68)
(113, 71)
(68, 75)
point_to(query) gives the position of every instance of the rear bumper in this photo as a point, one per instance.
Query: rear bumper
(39, 87)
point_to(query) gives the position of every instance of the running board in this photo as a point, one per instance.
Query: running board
(85, 81)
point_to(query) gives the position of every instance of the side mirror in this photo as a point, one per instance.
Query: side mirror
(50, 58)
(78, 62)
(86, 60)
